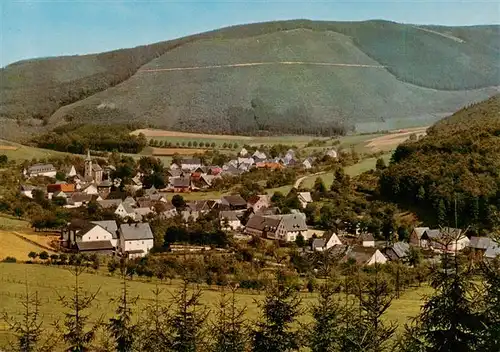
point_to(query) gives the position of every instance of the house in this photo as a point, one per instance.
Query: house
(61, 187)
(243, 152)
(70, 171)
(89, 188)
(175, 173)
(190, 164)
(206, 180)
(233, 202)
(398, 251)
(332, 153)
(367, 240)
(124, 210)
(416, 235)
(364, 256)
(445, 239)
(180, 184)
(27, 190)
(328, 241)
(480, 243)
(200, 206)
(169, 212)
(135, 240)
(88, 237)
(93, 171)
(109, 203)
(258, 202)
(493, 250)
(104, 188)
(142, 213)
(47, 170)
(229, 220)
(78, 199)
(258, 155)
(262, 226)
(190, 215)
(304, 198)
(174, 166)
(130, 201)
(248, 161)
(308, 163)
(111, 227)
(291, 226)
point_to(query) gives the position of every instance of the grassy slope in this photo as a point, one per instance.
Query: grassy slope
(24, 152)
(49, 280)
(33, 89)
(354, 170)
(199, 100)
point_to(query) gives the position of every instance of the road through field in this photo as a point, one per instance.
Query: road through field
(252, 64)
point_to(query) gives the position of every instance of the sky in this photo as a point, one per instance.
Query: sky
(41, 28)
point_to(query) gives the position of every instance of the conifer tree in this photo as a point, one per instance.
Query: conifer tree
(280, 309)
(187, 320)
(77, 332)
(28, 331)
(491, 307)
(121, 327)
(448, 321)
(328, 318)
(155, 331)
(229, 331)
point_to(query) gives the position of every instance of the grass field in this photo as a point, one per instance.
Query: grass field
(354, 170)
(16, 151)
(50, 282)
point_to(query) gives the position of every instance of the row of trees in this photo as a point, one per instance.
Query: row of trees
(455, 317)
(190, 144)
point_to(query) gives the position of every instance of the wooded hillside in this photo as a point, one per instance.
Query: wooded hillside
(458, 161)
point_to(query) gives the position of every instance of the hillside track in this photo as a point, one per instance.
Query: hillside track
(253, 64)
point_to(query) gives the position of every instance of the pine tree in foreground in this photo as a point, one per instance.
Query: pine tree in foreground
(491, 306)
(28, 331)
(280, 309)
(328, 318)
(229, 331)
(449, 320)
(77, 332)
(187, 320)
(121, 327)
(155, 331)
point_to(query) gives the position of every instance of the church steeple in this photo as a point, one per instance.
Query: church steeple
(88, 167)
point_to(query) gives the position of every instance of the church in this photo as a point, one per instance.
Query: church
(93, 171)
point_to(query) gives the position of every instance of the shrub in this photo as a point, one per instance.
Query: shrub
(9, 260)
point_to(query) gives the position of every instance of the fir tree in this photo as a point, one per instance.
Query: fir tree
(328, 313)
(77, 332)
(28, 329)
(491, 306)
(187, 321)
(229, 331)
(280, 309)
(155, 334)
(448, 321)
(123, 330)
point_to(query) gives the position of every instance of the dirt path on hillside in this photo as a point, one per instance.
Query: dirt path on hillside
(392, 140)
(252, 64)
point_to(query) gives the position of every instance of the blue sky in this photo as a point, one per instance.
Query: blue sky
(48, 28)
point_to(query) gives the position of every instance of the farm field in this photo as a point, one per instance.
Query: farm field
(174, 137)
(50, 281)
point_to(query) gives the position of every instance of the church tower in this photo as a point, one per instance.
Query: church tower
(88, 167)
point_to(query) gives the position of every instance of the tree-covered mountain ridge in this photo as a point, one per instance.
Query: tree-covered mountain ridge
(365, 75)
(454, 170)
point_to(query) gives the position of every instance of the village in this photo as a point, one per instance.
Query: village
(127, 232)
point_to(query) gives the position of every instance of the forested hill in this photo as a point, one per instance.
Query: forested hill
(274, 77)
(458, 160)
